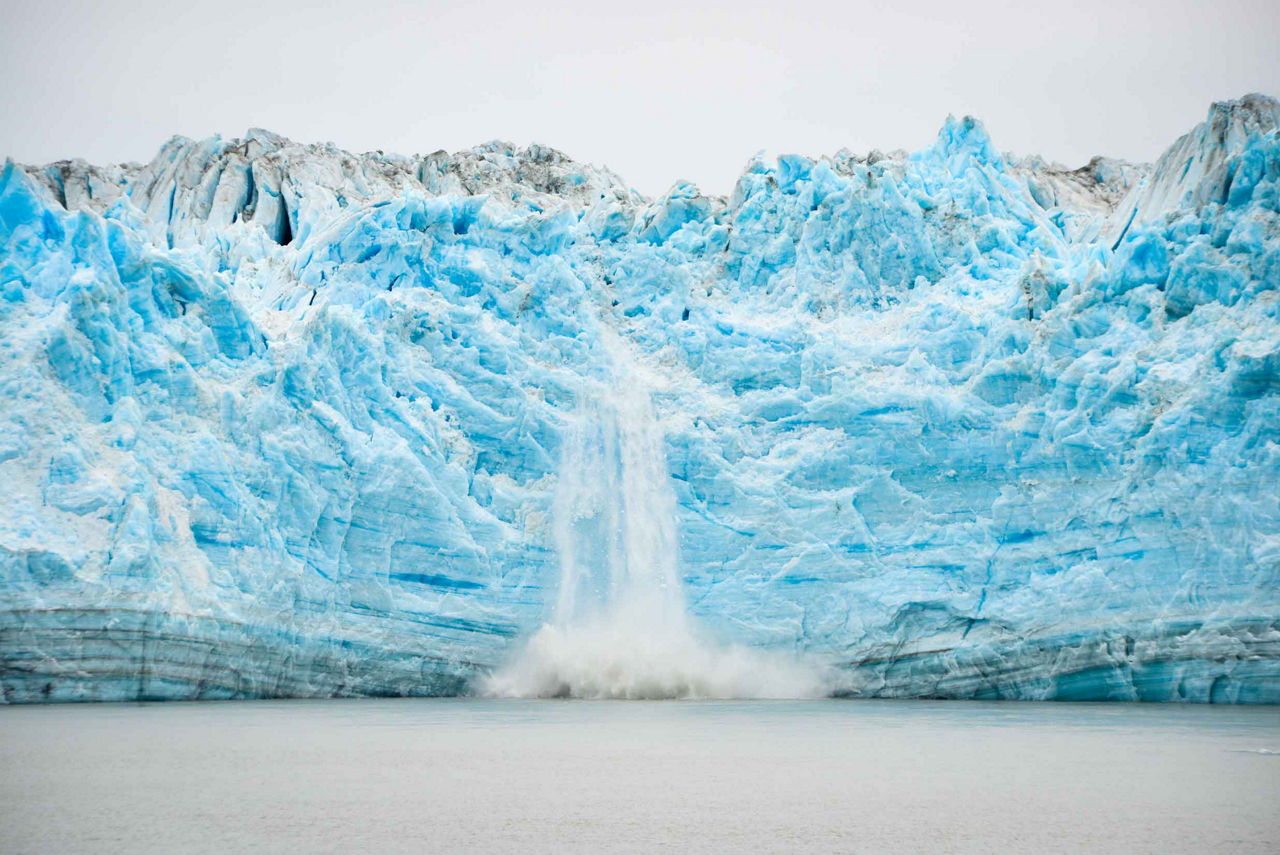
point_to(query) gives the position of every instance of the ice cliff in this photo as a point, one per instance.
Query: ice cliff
(281, 420)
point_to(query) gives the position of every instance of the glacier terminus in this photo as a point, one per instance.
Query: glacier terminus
(279, 420)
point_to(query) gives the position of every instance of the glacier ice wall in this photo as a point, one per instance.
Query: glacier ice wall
(281, 420)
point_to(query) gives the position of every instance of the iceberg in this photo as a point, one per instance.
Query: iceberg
(280, 420)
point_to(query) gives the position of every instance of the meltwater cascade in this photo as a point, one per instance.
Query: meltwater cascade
(620, 628)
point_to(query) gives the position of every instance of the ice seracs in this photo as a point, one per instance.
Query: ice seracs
(1200, 167)
(282, 420)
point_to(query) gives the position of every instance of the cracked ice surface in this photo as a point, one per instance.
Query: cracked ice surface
(281, 420)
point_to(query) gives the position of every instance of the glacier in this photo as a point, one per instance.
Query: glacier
(280, 420)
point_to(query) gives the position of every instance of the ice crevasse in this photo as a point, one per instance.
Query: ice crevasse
(279, 420)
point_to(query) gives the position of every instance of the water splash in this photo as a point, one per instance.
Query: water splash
(620, 628)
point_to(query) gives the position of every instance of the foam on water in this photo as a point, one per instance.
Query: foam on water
(620, 628)
(623, 659)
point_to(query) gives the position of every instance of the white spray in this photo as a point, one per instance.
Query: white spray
(620, 628)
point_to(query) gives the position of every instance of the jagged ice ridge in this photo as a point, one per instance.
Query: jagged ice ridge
(281, 420)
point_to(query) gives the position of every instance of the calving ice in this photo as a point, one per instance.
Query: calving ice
(280, 420)
(620, 627)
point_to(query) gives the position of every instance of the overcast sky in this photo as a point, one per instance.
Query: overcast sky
(655, 90)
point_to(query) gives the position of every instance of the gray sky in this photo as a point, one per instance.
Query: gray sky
(656, 90)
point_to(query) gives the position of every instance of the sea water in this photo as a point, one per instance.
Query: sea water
(609, 776)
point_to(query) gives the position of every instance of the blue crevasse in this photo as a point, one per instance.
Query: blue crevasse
(280, 420)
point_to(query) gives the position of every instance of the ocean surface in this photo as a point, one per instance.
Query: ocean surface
(680, 776)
